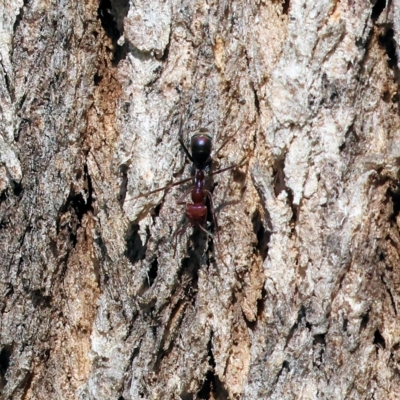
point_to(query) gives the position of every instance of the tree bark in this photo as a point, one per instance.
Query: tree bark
(295, 296)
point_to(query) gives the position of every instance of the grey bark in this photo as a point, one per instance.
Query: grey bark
(297, 295)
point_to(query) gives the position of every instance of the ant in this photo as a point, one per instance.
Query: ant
(196, 210)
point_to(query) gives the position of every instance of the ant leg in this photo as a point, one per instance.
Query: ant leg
(189, 156)
(224, 144)
(163, 188)
(180, 200)
(218, 243)
(226, 141)
(177, 234)
(183, 229)
(240, 164)
(186, 150)
(205, 231)
(209, 195)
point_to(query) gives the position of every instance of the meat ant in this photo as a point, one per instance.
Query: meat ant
(200, 155)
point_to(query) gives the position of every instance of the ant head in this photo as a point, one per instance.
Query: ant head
(201, 146)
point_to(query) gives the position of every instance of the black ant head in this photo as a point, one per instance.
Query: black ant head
(201, 146)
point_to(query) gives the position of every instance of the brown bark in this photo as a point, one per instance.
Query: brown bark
(296, 297)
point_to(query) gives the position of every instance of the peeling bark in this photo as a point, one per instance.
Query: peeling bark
(296, 296)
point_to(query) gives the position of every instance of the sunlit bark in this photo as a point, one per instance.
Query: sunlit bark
(297, 294)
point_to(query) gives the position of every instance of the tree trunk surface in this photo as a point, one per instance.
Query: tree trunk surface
(104, 295)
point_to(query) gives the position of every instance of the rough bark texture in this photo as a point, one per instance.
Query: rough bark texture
(298, 298)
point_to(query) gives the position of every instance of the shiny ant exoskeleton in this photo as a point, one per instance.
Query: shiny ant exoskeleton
(196, 211)
(200, 155)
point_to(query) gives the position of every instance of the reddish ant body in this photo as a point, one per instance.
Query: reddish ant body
(196, 212)
(200, 156)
